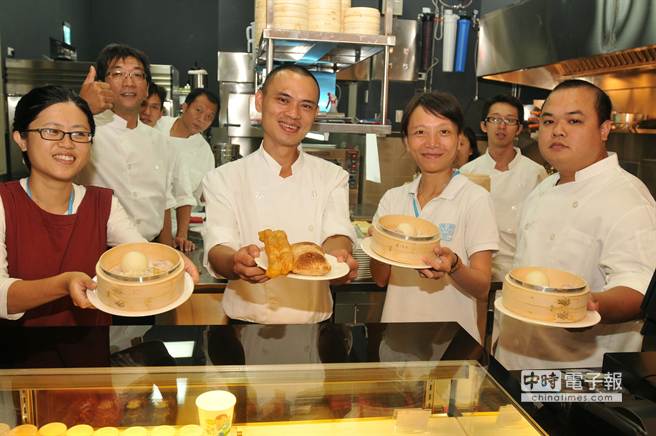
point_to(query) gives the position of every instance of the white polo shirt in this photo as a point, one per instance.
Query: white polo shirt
(195, 153)
(601, 227)
(248, 195)
(509, 189)
(140, 166)
(464, 214)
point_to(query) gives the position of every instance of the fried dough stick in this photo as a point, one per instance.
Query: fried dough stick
(278, 251)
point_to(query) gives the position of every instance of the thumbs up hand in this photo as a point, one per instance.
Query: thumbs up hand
(98, 95)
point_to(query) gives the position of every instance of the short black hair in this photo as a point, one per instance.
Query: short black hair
(37, 100)
(508, 99)
(298, 69)
(437, 103)
(160, 91)
(471, 137)
(603, 104)
(112, 52)
(212, 97)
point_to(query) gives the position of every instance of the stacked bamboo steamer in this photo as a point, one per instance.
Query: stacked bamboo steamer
(290, 14)
(260, 22)
(345, 5)
(325, 15)
(362, 20)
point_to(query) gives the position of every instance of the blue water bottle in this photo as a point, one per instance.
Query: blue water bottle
(464, 24)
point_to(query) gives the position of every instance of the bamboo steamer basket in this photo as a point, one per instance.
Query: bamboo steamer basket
(480, 179)
(564, 299)
(140, 293)
(389, 243)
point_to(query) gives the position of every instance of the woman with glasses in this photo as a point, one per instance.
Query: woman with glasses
(458, 280)
(52, 232)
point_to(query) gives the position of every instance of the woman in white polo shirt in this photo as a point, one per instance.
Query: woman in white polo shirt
(459, 278)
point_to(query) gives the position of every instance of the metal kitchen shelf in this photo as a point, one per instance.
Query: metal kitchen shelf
(378, 129)
(320, 49)
(330, 51)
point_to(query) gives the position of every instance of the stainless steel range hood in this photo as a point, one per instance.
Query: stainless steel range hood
(539, 43)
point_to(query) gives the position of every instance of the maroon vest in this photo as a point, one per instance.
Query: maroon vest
(40, 244)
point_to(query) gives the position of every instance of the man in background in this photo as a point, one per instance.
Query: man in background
(591, 218)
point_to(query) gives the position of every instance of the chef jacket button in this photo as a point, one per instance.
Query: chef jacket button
(314, 194)
(157, 167)
(575, 204)
(513, 207)
(259, 195)
(311, 228)
(552, 236)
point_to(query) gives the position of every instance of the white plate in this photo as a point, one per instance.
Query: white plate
(366, 247)
(337, 269)
(188, 290)
(591, 318)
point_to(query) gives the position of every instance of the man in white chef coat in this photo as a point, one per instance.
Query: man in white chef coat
(131, 158)
(512, 175)
(590, 218)
(277, 187)
(152, 108)
(197, 159)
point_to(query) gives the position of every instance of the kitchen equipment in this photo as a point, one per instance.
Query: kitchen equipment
(405, 239)
(626, 120)
(197, 78)
(347, 158)
(236, 76)
(225, 152)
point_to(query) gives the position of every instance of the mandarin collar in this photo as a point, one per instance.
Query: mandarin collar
(275, 167)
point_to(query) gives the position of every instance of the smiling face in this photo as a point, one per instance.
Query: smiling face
(60, 160)
(570, 136)
(288, 108)
(198, 115)
(501, 135)
(432, 141)
(128, 91)
(151, 110)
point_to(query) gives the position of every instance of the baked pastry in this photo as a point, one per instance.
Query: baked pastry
(309, 259)
(279, 252)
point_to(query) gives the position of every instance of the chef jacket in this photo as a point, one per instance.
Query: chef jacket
(196, 155)
(141, 167)
(509, 189)
(120, 229)
(246, 196)
(463, 213)
(602, 227)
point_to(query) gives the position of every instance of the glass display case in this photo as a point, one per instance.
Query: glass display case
(446, 397)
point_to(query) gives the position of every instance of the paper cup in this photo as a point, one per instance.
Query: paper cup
(215, 410)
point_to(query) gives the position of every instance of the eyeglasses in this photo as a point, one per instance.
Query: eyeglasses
(116, 75)
(57, 135)
(498, 120)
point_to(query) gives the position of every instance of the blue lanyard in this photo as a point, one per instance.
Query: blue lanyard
(415, 206)
(70, 199)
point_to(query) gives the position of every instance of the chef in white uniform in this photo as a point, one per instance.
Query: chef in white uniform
(512, 175)
(459, 281)
(592, 218)
(131, 158)
(185, 134)
(277, 187)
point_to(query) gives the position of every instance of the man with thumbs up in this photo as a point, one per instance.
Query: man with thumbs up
(130, 157)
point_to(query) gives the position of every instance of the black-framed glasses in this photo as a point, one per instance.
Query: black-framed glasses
(137, 76)
(50, 134)
(498, 120)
